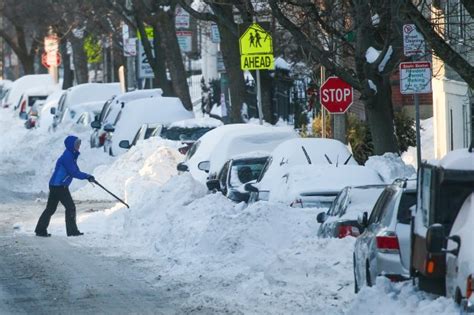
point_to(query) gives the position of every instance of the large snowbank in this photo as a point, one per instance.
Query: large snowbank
(390, 166)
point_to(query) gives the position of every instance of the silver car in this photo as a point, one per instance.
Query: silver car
(384, 247)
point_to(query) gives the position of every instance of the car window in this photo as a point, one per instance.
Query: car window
(265, 168)
(244, 171)
(407, 200)
(192, 150)
(119, 115)
(104, 110)
(222, 177)
(137, 137)
(379, 206)
(387, 213)
(338, 203)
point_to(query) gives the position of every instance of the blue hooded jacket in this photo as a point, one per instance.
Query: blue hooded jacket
(66, 167)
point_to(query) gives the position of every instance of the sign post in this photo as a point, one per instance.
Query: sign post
(51, 58)
(256, 53)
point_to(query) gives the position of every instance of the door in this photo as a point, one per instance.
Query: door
(407, 200)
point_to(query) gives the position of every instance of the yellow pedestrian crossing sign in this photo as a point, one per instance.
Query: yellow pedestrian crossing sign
(256, 49)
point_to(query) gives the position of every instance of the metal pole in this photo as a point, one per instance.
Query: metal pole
(418, 137)
(259, 99)
(323, 114)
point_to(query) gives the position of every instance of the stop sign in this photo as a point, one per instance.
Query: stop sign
(336, 95)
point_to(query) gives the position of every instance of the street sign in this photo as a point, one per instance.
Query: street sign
(256, 49)
(181, 18)
(144, 68)
(51, 59)
(215, 36)
(185, 40)
(130, 47)
(413, 41)
(336, 95)
(415, 77)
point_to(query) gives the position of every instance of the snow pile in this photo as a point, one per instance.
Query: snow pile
(265, 258)
(151, 160)
(427, 144)
(399, 298)
(390, 166)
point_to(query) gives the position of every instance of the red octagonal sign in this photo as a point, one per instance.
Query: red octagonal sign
(336, 95)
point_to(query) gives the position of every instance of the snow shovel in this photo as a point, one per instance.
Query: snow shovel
(98, 184)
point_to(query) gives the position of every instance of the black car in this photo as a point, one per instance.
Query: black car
(234, 174)
(341, 219)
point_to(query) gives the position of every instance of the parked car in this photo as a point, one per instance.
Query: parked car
(236, 172)
(383, 249)
(45, 119)
(30, 98)
(110, 112)
(164, 110)
(212, 150)
(341, 219)
(84, 114)
(317, 185)
(24, 83)
(83, 93)
(294, 152)
(33, 114)
(445, 208)
(5, 86)
(185, 131)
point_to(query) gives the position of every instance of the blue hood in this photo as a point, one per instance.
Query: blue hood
(69, 143)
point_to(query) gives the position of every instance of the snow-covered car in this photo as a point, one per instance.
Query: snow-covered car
(236, 172)
(383, 249)
(457, 247)
(341, 219)
(185, 131)
(207, 156)
(30, 97)
(45, 119)
(317, 185)
(25, 83)
(33, 114)
(294, 152)
(188, 131)
(443, 188)
(111, 109)
(84, 93)
(5, 86)
(163, 110)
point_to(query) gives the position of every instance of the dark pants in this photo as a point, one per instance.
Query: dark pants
(58, 194)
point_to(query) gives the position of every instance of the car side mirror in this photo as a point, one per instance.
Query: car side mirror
(204, 166)
(322, 216)
(52, 110)
(125, 144)
(96, 124)
(364, 219)
(181, 167)
(435, 239)
(213, 184)
(109, 128)
(250, 187)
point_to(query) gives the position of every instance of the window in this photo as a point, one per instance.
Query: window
(425, 194)
(222, 177)
(265, 169)
(192, 150)
(379, 205)
(406, 202)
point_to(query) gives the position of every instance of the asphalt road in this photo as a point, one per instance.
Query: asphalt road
(54, 276)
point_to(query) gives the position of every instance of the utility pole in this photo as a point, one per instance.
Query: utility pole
(131, 82)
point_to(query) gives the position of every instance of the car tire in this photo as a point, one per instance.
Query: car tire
(356, 285)
(367, 275)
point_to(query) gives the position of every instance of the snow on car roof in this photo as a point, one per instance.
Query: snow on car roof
(461, 159)
(314, 178)
(248, 140)
(22, 84)
(137, 94)
(251, 155)
(44, 90)
(89, 92)
(205, 122)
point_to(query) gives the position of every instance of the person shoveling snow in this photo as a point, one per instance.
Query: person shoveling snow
(66, 169)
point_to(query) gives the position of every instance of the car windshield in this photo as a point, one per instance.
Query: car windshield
(246, 170)
(183, 134)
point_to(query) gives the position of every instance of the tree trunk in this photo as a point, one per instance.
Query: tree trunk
(173, 57)
(68, 78)
(379, 111)
(267, 87)
(231, 56)
(79, 59)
